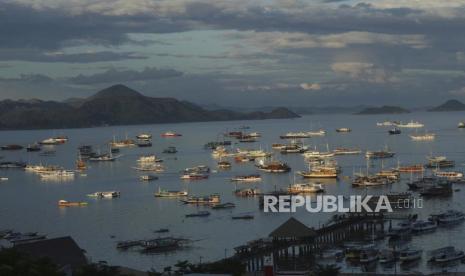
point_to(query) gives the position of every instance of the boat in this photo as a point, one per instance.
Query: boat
(247, 139)
(417, 168)
(243, 158)
(437, 189)
(379, 154)
(408, 255)
(148, 177)
(343, 129)
(65, 203)
(144, 136)
(423, 226)
(12, 147)
(3, 178)
(346, 151)
(273, 167)
(172, 194)
(461, 125)
(53, 141)
(253, 153)
(211, 199)
(123, 143)
(446, 254)
(144, 143)
(198, 214)
(170, 150)
(448, 217)
(151, 158)
(202, 169)
(227, 205)
(295, 135)
(160, 245)
(80, 164)
(224, 165)
(214, 145)
(48, 153)
(368, 256)
(246, 217)
(394, 131)
(369, 180)
(305, 188)
(386, 123)
(128, 244)
(234, 134)
(448, 175)
(33, 147)
(318, 154)
(57, 174)
(170, 134)
(410, 124)
(389, 174)
(108, 194)
(247, 178)
(221, 151)
(248, 192)
(319, 172)
(194, 176)
(162, 230)
(293, 148)
(440, 162)
(423, 137)
(155, 167)
(388, 256)
(12, 165)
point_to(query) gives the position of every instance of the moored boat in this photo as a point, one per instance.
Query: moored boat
(247, 178)
(304, 188)
(211, 199)
(170, 134)
(171, 194)
(65, 203)
(12, 147)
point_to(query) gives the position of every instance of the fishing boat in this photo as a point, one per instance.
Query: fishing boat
(410, 124)
(305, 188)
(33, 147)
(151, 167)
(144, 136)
(423, 226)
(151, 158)
(386, 123)
(248, 192)
(438, 189)
(148, 177)
(224, 165)
(449, 175)
(171, 194)
(445, 255)
(448, 217)
(170, 134)
(144, 143)
(211, 199)
(319, 172)
(394, 131)
(160, 245)
(107, 194)
(245, 217)
(12, 147)
(247, 178)
(423, 137)
(379, 154)
(461, 125)
(194, 176)
(417, 168)
(170, 150)
(273, 167)
(346, 151)
(295, 135)
(409, 255)
(227, 205)
(343, 130)
(198, 214)
(253, 153)
(65, 203)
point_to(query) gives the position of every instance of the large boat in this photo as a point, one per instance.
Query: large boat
(293, 148)
(151, 158)
(410, 124)
(368, 180)
(448, 175)
(34, 147)
(107, 194)
(448, 217)
(57, 174)
(273, 167)
(253, 153)
(423, 226)
(247, 178)
(319, 172)
(423, 137)
(170, 134)
(211, 199)
(144, 136)
(214, 145)
(446, 254)
(417, 168)
(439, 162)
(150, 167)
(346, 151)
(12, 165)
(11, 147)
(303, 188)
(318, 154)
(379, 154)
(65, 203)
(172, 194)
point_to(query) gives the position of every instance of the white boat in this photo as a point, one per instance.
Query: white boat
(320, 132)
(57, 174)
(303, 188)
(410, 124)
(343, 129)
(448, 175)
(247, 178)
(385, 123)
(107, 194)
(148, 159)
(144, 136)
(408, 255)
(461, 125)
(423, 137)
(423, 226)
(316, 153)
(3, 178)
(155, 167)
(254, 134)
(346, 151)
(253, 153)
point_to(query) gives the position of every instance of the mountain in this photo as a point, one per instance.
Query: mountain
(385, 109)
(116, 105)
(450, 105)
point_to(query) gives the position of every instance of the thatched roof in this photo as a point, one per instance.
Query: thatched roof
(293, 228)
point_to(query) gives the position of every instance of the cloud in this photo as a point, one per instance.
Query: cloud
(59, 56)
(367, 72)
(113, 75)
(29, 78)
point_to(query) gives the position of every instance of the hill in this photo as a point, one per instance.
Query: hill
(116, 105)
(450, 105)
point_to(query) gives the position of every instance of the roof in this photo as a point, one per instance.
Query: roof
(293, 228)
(63, 251)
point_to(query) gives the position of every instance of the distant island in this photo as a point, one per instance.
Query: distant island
(117, 105)
(450, 105)
(385, 109)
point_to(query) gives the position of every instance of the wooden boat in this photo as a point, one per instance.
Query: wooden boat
(224, 165)
(249, 192)
(273, 167)
(418, 168)
(150, 168)
(247, 178)
(227, 205)
(65, 203)
(343, 129)
(379, 154)
(194, 176)
(246, 217)
(198, 214)
(346, 151)
(171, 194)
(148, 177)
(170, 134)
(305, 188)
(211, 199)
(319, 173)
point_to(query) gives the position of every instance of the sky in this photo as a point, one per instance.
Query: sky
(237, 52)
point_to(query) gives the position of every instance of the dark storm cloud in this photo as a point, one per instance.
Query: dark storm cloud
(113, 75)
(28, 78)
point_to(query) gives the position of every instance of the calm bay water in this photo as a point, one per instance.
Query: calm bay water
(29, 204)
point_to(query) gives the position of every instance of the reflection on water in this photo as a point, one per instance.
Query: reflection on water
(29, 204)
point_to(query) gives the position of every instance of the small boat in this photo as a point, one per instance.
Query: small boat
(148, 177)
(211, 199)
(214, 145)
(160, 245)
(144, 136)
(394, 131)
(65, 203)
(81, 165)
(172, 194)
(293, 148)
(448, 175)
(448, 217)
(247, 178)
(104, 157)
(408, 255)
(246, 217)
(278, 146)
(295, 135)
(410, 124)
(446, 254)
(170, 134)
(417, 168)
(51, 141)
(149, 159)
(224, 165)
(423, 137)
(273, 167)
(194, 176)
(3, 178)
(461, 125)
(305, 188)
(123, 143)
(144, 143)
(197, 169)
(247, 139)
(423, 226)
(227, 205)
(12, 147)
(170, 150)
(33, 147)
(343, 129)
(249, 192)
(379, 154)
(128, 244)
(156, 167)
(385, 123)
(346, 151)
(108, 194)
(12, 165)
(198, 214)
(162, 230)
